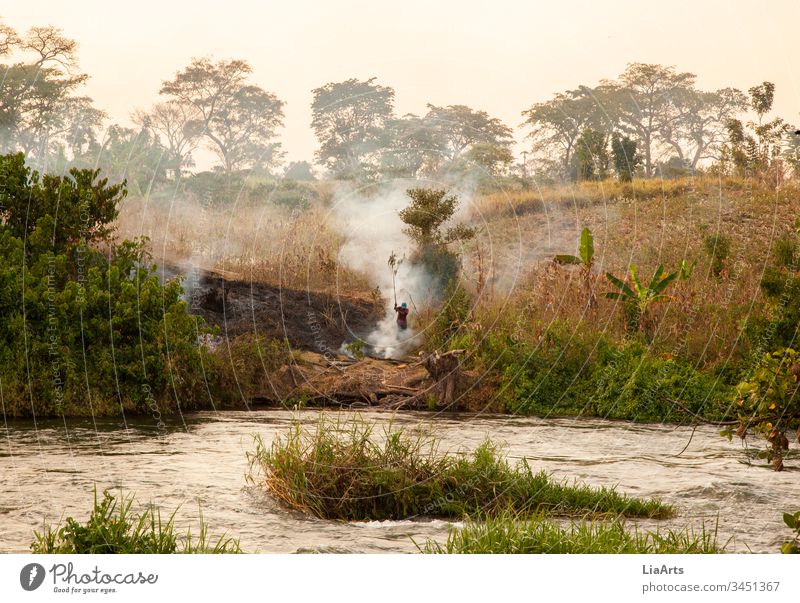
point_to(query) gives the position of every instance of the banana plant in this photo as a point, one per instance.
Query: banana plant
(585, 260)
(640, 297)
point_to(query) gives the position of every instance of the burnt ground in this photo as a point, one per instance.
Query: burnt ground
(316, 324)
(310, 320)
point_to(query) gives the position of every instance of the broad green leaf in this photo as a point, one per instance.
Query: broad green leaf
(664, 282)
(656, 277)
(621, 285)
(567, 259)
(587, 247)
(635, 278)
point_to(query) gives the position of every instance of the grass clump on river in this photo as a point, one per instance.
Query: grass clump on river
(509, 534)
(348, 470)
(113, 527)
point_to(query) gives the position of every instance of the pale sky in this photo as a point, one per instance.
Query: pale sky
(499, 56)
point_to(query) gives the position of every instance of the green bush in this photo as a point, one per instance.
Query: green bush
(634, 384)
(718, 248)
(292, 194)
(84, 331)
(113, 528)
(579, 372)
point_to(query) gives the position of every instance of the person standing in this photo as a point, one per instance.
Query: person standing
(402, 316)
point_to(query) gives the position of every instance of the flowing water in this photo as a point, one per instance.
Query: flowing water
(48, 472)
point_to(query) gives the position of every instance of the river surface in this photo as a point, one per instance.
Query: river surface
(48, 472)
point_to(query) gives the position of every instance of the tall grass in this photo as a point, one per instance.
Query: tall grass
(348, 470)
(510, 534)
(258, 243)
(114, 527)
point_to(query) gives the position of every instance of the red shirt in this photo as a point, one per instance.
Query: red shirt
(401, 314)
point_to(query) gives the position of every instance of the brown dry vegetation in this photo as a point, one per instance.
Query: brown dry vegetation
(647, 223)
(523, 295)
(259, 243)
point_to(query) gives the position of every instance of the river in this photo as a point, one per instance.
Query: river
(48, 471)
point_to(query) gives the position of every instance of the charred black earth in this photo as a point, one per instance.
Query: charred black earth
(318, 321)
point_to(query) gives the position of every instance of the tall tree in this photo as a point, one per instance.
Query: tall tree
(131, 155)
(239, 120)
(409, 147)
(39, 111)
(651, 99)
(457, 128)
(626, 158)
(349, 120)
(755, 148)
(591, 155)
(8, 39)
(699, 132)
(178, 127)
(557, 124)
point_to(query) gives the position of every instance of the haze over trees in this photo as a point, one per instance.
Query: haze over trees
(673, 125)
(651, 121)
(360, 136)
(41, 111)
(238, 119)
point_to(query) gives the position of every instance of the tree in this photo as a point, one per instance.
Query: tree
(652, 99)
(591, 155)
(85, 330)
(457, 128)
(299, 170)
(754, 149)
(39, 111)
(557, 124)
(238, 119)
(425, 217)
(132, 156)
(349, 119)
(626, 159)
(698, 131)
(492, 159)
(178, 127)
(79, 206)
(8, 39)
(409, 147)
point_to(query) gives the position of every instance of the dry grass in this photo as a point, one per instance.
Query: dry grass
(647, 222)
(267, 244)
(663, 223)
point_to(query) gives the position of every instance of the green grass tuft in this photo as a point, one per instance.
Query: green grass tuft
(345, 470)
(114, 528)
(510, 534)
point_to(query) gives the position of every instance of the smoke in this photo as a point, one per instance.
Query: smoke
(373, 231)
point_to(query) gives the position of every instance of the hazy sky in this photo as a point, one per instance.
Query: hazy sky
(500, 56)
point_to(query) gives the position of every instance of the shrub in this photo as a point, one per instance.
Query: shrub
(768, 402)
(114, 528)
(83, 331)
(718, 248)
(792, 520)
